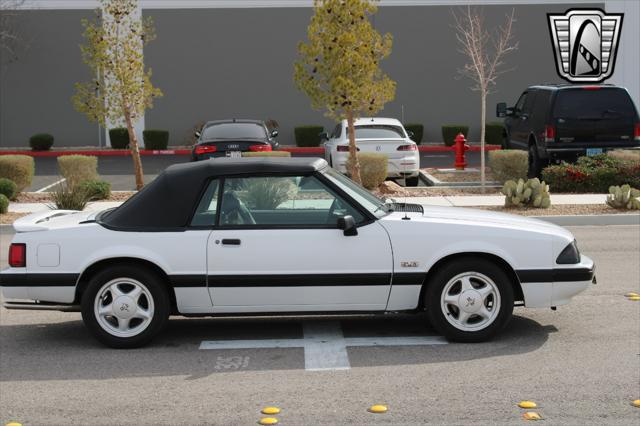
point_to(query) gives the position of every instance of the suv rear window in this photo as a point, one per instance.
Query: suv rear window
(593, 104)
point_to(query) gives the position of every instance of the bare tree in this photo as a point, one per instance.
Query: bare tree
(9, 36)
(484, 52)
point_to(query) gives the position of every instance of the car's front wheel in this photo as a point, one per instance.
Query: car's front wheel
(125, 306)
(469, 300)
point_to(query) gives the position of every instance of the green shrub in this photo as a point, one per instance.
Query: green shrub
(630, 155)
(18, 168)
(78, 168)
(41, 142)
(119, 137)
(8, 188)
(592, 174)
(531, 193)
(373, 169)
(4, 204)
(450, 131)
(308, 135)
(267, 154)
(268, 193)
(624, 197)
(417, 129)
(494, 133)
(96, 189)
(509, 164)
(155, 139)
(67, 198)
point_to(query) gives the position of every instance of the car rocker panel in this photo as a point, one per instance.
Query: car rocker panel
(324, 247)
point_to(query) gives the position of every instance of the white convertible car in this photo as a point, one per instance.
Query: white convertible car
(247, 236)
(381, 135)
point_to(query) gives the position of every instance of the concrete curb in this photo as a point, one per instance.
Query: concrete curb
(146, 152)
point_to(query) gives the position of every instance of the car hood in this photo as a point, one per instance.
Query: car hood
(483, 217)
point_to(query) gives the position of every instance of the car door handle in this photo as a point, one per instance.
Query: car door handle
(231, 242)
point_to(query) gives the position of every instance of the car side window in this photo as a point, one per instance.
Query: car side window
(520, 104)
(296, 201)
(205, 214)
(528, 103)
(337, 131)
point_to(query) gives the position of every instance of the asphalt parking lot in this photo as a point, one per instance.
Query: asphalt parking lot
(581, 364)
(119, 170)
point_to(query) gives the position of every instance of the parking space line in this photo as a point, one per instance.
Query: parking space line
(51, 185)
(325, 347)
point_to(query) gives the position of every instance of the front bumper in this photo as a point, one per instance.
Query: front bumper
(555, 287)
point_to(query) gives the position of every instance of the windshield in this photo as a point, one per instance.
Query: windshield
(358, 193)
(379, 132)
(235, 131)
(593, 104)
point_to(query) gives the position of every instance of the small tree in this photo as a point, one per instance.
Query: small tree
(338, 68)
(121, 89)
(484, 53)
(10, 37)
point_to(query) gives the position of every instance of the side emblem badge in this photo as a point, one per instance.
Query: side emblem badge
(411, 264)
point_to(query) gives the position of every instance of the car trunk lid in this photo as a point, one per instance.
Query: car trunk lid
(50, 219)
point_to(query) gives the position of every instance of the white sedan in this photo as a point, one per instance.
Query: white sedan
(381, 135)
(287, 235)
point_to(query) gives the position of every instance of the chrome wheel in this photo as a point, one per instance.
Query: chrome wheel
(124, 307)
(470, 301)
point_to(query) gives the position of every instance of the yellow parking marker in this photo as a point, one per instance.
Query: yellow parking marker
(531, 415)
(527, 404)
(13, 424)
(378, 409)
(631, 294)
(268, 421)
(636, 403)
(270, 410)
(634, 298)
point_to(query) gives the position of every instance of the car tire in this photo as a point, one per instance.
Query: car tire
(125, 306)
(505, 142)
(535, 164)
(412, 181)
(469, 300)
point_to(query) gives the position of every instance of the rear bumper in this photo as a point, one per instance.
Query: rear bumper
(407, 166)
(53, 288)
(566, 149)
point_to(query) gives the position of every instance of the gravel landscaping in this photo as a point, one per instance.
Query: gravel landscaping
(9, 218)
(45, 197)
(459, 176)
(560, 210)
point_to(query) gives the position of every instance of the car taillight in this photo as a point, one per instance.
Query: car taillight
(344, 148)
(18, 255)
(205, 149)
(260, 148)
(636, 132)
(549, 133)
(411, 147)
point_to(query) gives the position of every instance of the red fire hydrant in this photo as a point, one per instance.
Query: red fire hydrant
(460, 148)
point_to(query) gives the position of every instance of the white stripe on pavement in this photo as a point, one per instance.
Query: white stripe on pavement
(51, 186)
(325, 347)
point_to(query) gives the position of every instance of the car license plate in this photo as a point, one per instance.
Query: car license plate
(593, 151)
(234, 154)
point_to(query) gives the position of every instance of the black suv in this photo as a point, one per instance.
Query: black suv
(229, 138)
(562, 122)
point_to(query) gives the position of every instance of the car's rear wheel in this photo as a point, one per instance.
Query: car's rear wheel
(536, 164)
(125, 306)
(412, 181)
(469, 300)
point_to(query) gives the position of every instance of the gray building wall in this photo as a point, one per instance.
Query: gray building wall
(222, 63)
(36, 89)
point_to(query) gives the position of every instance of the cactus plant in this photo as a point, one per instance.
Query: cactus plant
(624, 197)
(531, 193)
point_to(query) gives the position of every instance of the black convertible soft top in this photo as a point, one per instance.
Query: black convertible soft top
(169, 201)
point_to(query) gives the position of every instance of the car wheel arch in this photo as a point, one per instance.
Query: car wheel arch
(497, 260)
(102, 264)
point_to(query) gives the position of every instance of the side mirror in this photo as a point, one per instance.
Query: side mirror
(410, 134)
(324, 136)
(197, 134)
(348, 225)
(501, 109)
(274, 133)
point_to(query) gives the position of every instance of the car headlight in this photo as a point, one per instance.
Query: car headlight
(570, 254)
